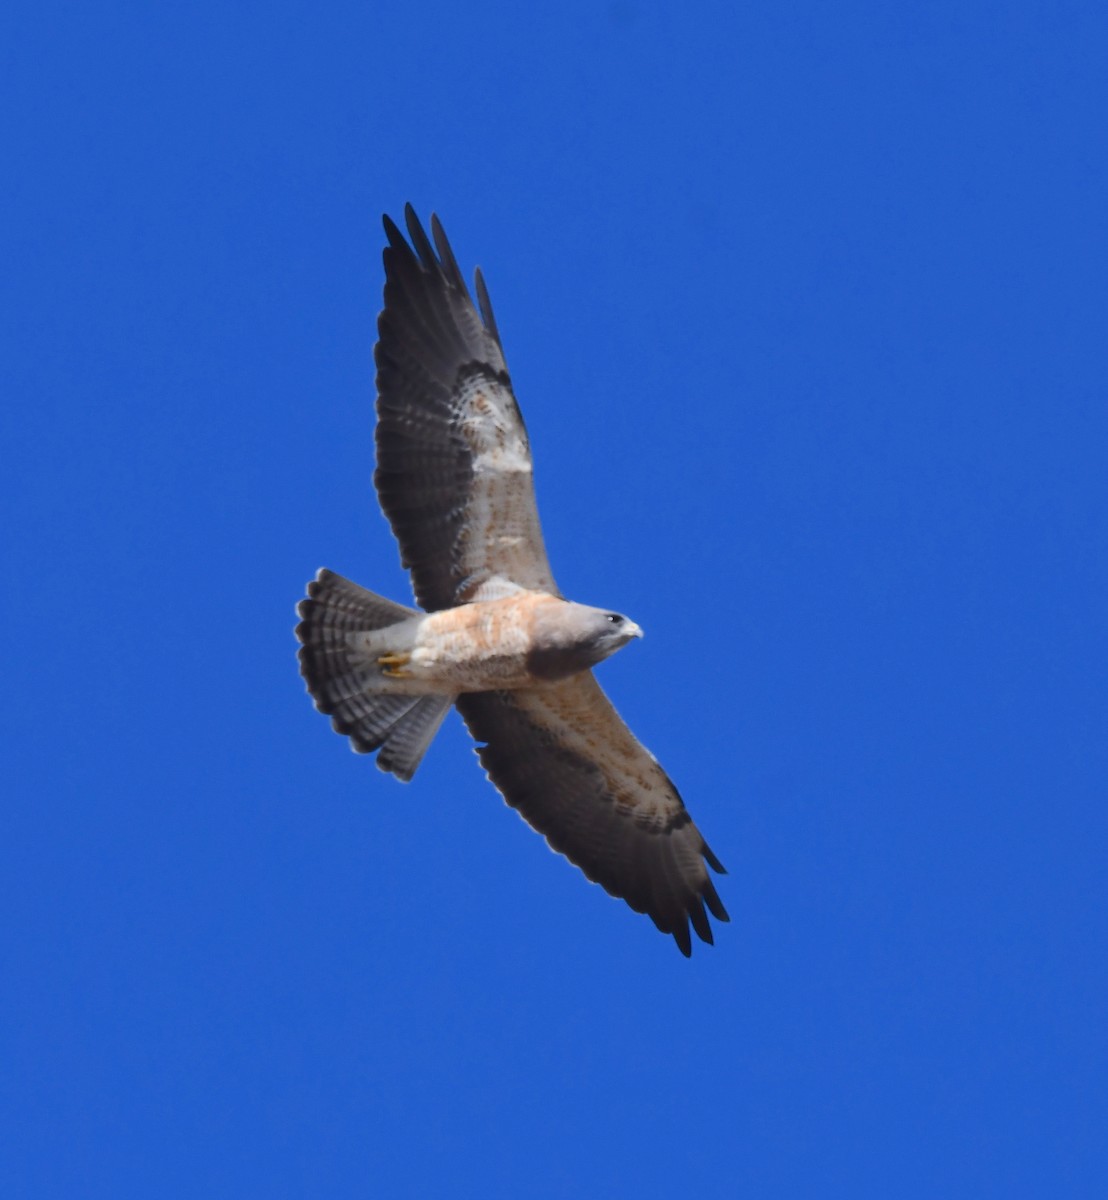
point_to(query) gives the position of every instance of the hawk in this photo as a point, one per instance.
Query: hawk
(493, 635)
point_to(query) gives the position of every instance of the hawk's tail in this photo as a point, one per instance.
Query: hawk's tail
(345, 687)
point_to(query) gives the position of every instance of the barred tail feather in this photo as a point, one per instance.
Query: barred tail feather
(346, 688)
(339, 604)
(407, 741)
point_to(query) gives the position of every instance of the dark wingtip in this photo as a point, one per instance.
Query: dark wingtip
(700, 921)
(446, 257)
(421, 243)
(392, 231)
(684, 942)
(485, 304)
(712, 861)
(715, 905)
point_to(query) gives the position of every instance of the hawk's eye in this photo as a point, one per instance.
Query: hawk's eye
(615, 619)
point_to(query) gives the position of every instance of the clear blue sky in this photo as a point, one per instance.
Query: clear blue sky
(807, 309)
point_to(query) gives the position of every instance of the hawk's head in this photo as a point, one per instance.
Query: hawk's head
(567, 638)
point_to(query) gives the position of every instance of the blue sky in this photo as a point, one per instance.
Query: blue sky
(805, 306)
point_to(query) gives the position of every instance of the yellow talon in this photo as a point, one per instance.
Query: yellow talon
(391, 665)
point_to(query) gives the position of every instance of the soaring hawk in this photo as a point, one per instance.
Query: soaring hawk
(495, 637)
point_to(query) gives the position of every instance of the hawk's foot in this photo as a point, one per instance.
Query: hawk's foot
(393, 665)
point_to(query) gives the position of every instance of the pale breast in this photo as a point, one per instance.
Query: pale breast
(478, 647)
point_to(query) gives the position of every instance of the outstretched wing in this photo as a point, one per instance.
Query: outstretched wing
(453, 459)
(562, 756)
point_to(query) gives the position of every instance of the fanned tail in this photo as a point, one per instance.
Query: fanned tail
(348, 689)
